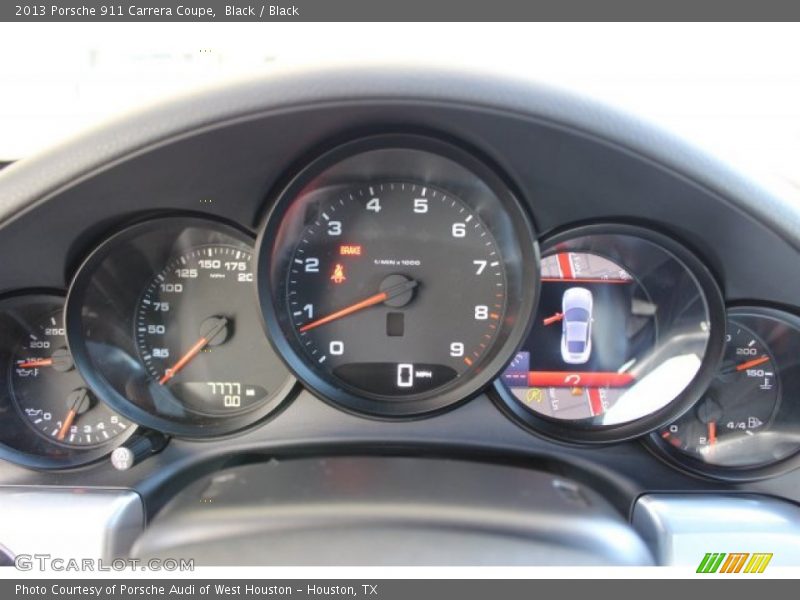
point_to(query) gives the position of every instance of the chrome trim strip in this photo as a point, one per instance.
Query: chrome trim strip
(70, 522)
(681, 528)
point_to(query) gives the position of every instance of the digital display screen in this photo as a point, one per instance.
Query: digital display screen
(593, 323)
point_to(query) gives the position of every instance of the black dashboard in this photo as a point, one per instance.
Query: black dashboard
(396, 263)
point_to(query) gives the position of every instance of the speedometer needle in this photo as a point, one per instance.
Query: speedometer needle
(387, 294)
(218, 327)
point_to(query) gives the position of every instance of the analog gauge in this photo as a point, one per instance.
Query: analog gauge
(395, 292)
(628, 328)
(741, 425)
(192, 334)
(164, 316)
(50, 392)
(49, 418)
(740, 402)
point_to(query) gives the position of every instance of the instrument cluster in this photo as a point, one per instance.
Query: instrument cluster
(396, 277)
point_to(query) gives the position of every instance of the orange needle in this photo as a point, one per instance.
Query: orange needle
(362, 304)
(550, 320)
(348, 310)
(752, 363)
(712, 433)
(67, 423)
(184, 360)
(40, 362)
(219, 325)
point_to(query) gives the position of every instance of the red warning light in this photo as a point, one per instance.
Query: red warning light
(350, 250)
(338, 274)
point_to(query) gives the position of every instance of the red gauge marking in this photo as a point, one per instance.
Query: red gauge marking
(752, 363)
(712, 433)
(565, 265)
(584, 280)
(595, 402)
(40, 362)
(596, 379)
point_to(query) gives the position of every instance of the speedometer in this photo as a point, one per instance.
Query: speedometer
(187, 315)
(396, 295)
(163, 322)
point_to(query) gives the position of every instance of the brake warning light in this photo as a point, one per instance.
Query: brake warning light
(350, 250)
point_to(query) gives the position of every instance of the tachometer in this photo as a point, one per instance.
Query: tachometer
(396, 295)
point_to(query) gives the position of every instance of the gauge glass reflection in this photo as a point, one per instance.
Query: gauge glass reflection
(628, 332)
(163, 318)
(740, 403)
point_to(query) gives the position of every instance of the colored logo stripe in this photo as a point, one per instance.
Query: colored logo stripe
(734, 562)
(758, 563)
(713, 562)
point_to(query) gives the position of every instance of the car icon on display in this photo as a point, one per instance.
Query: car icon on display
(576, 326)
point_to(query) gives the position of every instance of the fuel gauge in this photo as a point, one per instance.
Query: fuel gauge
(741, 402)
(747, 424)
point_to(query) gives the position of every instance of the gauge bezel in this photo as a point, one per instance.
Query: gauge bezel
(526, 280)
(63, 457)
(688, 464)
(99, 383)
(571, 432)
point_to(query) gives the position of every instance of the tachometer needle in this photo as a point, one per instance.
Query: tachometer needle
(196, 348)
(383, 296)
(752, 363)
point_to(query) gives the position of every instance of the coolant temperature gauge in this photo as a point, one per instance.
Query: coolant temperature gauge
(739, 404)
